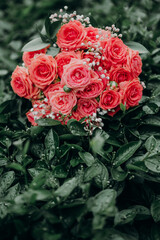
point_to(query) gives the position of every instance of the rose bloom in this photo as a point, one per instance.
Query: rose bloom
(105, 80)
(91, 34)
(115, 110)
(132, 93)
(28, 56)
(115, 51)
(64, 58)
(76, 75)
(71, 35)
(40, 110)
(76, 115)
(120, 74)
(92, 90)
(86, 107)
(89, 57)
(134, 62)
(43, 70)
(62, 101)
(109, 99)
(22, 85)
(51, 88)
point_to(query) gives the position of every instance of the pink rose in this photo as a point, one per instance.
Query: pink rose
(43, 70)
(76, 75)
(134, 62)
(109, 99)
(91, 34)
(104, 78)
(132, 92)
(115, 51)
(89, 57)
(120, 74)
(28, 56)
(86, 107)
(92, 90)
(61, 101)
(71, 35)
(76, 115)
(22, 85)
(52, 87)
(64, 58)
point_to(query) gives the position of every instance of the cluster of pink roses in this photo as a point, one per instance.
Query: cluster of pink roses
(94, 70)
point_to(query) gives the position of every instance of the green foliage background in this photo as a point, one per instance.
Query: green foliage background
(56, 182)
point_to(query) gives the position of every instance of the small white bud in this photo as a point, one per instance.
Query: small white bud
(102, 76)
(100, 68)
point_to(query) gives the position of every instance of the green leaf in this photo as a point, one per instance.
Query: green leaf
(6, 181)
(141, 212)
(137, 47)
(12, 192)
(118, 174)
(51, 144)
(51, 28)
(155, 210)
(75, 161)
(103, 203)
(156, 92)
(35, 131)
(150, 144)
(153, 164)
(3, 72)
(53, 51)
(37, 149)
(3, 209)
(3, 118)
(3, 161)
(101, 179)
(76, 128)
(66, 189)
(66, 89)
(38, 181)
(98, 140)
(137, 166)
(34, 172)
(126, 152)
(63, 150)
(123, 107)
(60, 171)
(34, 45)
(152, 121)
(16, 166)
(150, 108)
(92, 171)
(93, 21)
(98, 222)
(125, 216)
(87, 158)
(113, 141)
(48, 122)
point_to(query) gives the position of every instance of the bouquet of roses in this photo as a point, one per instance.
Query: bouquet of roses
(77, 71)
